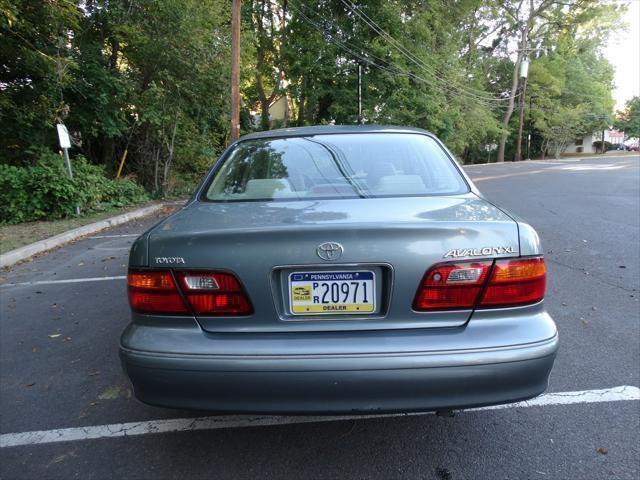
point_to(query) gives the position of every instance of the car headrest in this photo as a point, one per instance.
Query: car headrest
(401, 184)
(266, 187)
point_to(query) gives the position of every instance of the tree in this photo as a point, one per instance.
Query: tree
(629, 119)
(561, 128)
(162, 71)
(536, 24)
(439, 86)
(36, 68)
(150, 77)
(571, 80)
(269, 25)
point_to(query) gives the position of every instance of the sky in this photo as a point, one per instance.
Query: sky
(623, 51)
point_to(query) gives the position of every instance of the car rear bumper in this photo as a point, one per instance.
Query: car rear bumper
(342, 383)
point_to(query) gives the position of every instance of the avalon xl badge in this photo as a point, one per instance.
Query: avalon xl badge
(329, 251)
(478, 252)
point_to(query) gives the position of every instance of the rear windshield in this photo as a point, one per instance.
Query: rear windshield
(335, 166)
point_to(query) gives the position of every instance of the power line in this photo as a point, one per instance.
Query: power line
(391, 67)
(413, 58)
(443, 85)
(345, 45)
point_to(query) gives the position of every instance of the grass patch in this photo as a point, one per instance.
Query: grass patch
(14, 236)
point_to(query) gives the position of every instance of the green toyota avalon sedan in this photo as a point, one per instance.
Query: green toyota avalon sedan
(337, 269)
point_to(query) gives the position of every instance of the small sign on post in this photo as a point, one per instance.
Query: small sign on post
(63, 136)
(65, 145)
(490, 147)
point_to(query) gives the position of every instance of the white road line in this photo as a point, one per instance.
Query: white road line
(69, 280)
(616, 394)
(548, 162)
(595, 166)
(507, 175)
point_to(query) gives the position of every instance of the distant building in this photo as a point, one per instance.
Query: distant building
(279, 112)
(584, 144)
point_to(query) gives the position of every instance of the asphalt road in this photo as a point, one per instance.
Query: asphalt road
(59, 365)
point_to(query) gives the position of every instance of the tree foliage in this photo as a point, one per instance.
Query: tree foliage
(151, 77)
(629, 119)
(146, 76)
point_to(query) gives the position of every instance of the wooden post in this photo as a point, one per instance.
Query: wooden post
(124, 157)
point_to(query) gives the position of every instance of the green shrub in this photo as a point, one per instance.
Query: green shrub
(597, 146)
(15, 205)
(45, 191)
(183, 184)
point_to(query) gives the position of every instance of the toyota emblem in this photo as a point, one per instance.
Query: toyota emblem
(329, 251)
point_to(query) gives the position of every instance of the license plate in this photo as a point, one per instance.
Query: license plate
(332, 293)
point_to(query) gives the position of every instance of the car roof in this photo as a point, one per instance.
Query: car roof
(331, 129)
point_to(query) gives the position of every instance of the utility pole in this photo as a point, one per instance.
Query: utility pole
(359, 93)
(235, 70)
(530, 127)
(524, 73)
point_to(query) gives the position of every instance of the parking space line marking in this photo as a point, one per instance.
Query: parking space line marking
(69, 280)
(615, 394)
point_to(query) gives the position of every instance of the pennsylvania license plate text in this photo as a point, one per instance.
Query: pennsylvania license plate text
(332, 292)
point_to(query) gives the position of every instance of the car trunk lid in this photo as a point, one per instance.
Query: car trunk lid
(398, 239)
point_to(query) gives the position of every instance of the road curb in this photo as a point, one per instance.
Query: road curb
(14, 256)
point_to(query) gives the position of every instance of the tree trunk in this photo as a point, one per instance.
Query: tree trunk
(264, 104)
(235, 70)
(561, 145)
(170, 144)
(302, 103)
(108, 151)
(324, 103)
(115, 50)
(283, 44)
(156, 169)
(512, 95)
(262, 96)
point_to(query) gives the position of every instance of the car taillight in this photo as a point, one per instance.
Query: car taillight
(198, 293)
(154, 291)
(482, 284)
(515, 282)
(214, 293)
(451, 286)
